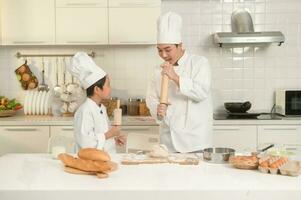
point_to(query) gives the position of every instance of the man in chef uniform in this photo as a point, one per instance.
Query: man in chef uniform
(91, 122)
(187, 119)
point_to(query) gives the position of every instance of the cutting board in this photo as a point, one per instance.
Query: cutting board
(182, 159)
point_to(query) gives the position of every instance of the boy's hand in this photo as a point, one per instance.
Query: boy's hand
(120, 140)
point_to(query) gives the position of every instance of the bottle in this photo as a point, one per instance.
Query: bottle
(143, 109)
(133, 107)
(117, 114)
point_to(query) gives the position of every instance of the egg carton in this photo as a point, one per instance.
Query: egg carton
(290, 168)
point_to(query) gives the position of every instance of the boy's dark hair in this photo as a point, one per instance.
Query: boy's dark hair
(100, 83)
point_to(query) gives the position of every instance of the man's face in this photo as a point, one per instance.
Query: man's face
(169, 52)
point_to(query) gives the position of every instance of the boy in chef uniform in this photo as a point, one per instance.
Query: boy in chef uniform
(91, 122)
(187, 119)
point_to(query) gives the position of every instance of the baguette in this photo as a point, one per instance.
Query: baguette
(84, 165)
(93, 154)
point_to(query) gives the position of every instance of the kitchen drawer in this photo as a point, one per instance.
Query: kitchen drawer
(23, 139)
(141, 138)
(289, 135)
(67, 131)
(240, 138)
(81, 3)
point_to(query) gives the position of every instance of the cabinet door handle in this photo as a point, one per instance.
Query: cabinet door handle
(131, 4)
(153, 140)
(21, 129)
(134, 42)
(67, 129)
(280, 129)
(29, 42)
(226, 129)
(82, 42)
(82, 4)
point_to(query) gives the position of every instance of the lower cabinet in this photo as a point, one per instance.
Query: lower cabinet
(240, 138)
(23, 139)
(288, 136)
(62, 136)
(139, 138)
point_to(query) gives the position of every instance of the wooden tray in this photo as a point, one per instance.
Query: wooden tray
(134, 159)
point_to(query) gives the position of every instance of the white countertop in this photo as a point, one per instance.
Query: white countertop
(23, 120)
(37, 176)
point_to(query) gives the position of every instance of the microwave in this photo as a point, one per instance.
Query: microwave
(288, 102)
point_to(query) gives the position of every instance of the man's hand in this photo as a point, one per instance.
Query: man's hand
(161, 109)
(168, 70)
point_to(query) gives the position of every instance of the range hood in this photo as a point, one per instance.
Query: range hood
(243, 32)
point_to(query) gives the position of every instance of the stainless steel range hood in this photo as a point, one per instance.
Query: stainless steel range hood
(243, 32)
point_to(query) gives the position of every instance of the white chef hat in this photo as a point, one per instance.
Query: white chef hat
(169, 28)
(85, 69)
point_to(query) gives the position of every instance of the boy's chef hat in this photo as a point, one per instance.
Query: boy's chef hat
(169, 28)
(85, 69)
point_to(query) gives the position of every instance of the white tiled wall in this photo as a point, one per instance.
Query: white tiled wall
(250, 73)
(239, 74)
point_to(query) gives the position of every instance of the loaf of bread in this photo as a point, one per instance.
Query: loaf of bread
(77, 171)
(93, 154)
(85, 165)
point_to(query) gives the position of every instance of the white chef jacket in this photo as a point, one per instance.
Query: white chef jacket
(187, 125)
(90, 125)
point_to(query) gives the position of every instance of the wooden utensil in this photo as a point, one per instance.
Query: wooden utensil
(164, 92)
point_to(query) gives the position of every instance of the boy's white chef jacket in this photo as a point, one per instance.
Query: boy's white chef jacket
(188, 123)
(90, 125)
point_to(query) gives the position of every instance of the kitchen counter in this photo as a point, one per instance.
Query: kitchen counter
(38, 176)
(23, 120)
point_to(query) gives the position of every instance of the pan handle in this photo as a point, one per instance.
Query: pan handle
(266, 148)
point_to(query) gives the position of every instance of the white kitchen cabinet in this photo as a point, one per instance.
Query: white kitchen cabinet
(140, 138)
(240, 138)
(23, 139)
(288, 136)
(133, 21)
(62, 135)
(81, 22)
(27, 22)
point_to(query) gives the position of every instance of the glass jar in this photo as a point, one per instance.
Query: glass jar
(110, 104)
(143, 109)
(132, 108)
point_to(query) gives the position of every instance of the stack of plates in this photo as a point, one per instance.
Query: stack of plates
(37, 102)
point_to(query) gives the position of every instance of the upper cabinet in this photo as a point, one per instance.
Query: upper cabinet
(76, 22)
(133, 21)
(27, 22)
(81, 22)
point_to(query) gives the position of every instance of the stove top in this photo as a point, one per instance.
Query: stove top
(246, 116)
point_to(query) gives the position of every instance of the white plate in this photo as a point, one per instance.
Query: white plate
(39, 95)
(25, 102)
(42, 102)
(34, 102)
(46, 105)
(29, 102)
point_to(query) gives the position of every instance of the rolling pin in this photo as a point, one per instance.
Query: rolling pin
(164, 92)
(117, 114)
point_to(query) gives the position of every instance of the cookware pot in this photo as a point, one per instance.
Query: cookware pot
(216, 155)
(237, 107)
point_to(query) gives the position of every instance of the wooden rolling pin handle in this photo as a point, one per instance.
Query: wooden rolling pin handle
(164, 93)
(117, 115)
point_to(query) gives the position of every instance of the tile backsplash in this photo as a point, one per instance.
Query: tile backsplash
(238, 74)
